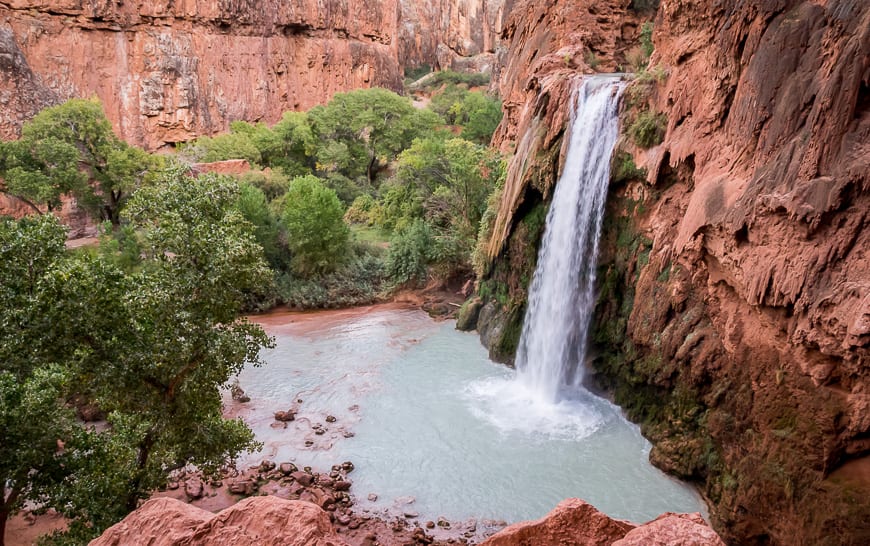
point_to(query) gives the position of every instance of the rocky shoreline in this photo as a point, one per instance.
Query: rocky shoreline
(331, 492)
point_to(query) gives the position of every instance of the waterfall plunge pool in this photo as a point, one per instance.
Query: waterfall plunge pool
(423, 413)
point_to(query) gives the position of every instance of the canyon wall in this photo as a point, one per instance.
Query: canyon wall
(168, 71)
(734, 316)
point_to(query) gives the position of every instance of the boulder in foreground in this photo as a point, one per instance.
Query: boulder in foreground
(577, 523)
(254, 521)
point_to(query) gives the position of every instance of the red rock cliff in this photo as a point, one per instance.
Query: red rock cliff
(168, 71)
(734, 321)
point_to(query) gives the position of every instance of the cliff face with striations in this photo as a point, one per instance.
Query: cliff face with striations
(734, 316)
(450, 33)
(168, 71)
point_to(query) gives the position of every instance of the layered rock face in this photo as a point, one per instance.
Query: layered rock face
(463, 34)
(734, 318)
(168, 71)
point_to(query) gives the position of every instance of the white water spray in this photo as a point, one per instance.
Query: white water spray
(562, 294)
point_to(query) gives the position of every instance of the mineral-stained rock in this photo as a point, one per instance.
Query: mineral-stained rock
(193, 488)
(285, 416)
(287, 468)
(244, 486)
(576, 523)
(302, 478)
(254, 521)
(736, 318)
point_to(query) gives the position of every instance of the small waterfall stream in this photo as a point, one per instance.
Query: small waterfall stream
(562, 294)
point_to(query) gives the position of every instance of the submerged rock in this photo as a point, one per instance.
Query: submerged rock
(285, 416)
(466, 320)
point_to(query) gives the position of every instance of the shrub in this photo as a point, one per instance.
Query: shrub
(409, 256)
(360, 212)
(272, 184)
(648, 129)
(360, 281)
(623, 169)
(646, 43)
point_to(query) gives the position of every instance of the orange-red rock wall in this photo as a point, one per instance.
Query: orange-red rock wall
(168, 71)
(742, 337)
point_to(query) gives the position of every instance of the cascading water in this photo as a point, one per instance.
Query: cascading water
(562, 295)
(422, 411)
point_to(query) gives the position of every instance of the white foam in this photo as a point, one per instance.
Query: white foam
(513, 407)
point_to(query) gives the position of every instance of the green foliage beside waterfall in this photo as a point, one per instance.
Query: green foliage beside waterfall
(342, 205)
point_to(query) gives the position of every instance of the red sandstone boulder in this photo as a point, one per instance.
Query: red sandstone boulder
(577, 523)
(252, 522)
(572, 523)
(671, 529)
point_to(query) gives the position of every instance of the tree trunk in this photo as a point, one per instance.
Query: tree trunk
(6, 504)
(141, 461)
(3, 516)
(371, 171)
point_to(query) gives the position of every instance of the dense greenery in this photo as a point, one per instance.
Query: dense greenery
(71, 149)
(342, 204)
(373, 159)
(316, 233)
(648, 128)
(150, 345)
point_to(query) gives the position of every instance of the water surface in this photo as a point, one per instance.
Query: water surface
(428, 415)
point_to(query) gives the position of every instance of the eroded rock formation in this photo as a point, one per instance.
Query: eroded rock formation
(577, 523)
(168, 71)
(255, 521)
(264, 520)
(734, 319)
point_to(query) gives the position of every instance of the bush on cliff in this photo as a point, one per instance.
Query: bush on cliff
(648, 129)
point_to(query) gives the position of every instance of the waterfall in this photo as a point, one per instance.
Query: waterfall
(562, 294)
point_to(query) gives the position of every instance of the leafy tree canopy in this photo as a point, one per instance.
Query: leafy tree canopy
(150, 345)
(70, 149)
(362, 131)
(314, 221)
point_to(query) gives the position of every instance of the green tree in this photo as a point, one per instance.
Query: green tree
(232, 145)
(465, 173)
(70, 149)
(31, 419)
(150, 346)
(255, 209)
(410, 253)
(293, 147)
(314, 221)
(362, 131)
(480, 117)
(188, 339)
